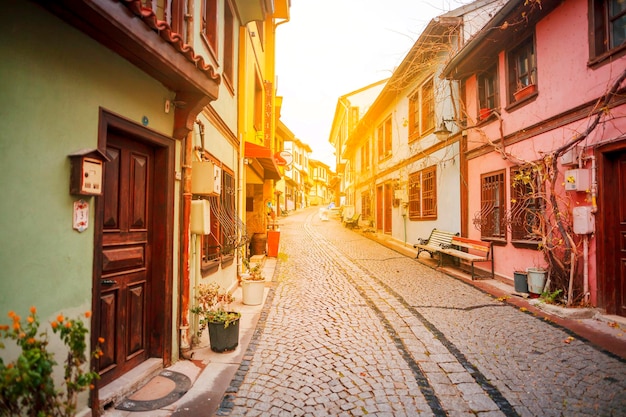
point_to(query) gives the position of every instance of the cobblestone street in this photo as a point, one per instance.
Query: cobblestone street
(353, 328)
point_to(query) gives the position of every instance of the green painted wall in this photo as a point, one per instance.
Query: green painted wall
(53, 80)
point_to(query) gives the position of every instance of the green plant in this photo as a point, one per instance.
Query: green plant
(212, 306)
(27, 385)
(255, 272)
(551, 297)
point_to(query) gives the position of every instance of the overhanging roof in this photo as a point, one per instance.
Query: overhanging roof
(265, 157)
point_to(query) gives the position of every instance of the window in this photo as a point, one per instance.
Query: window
(608, 26)
(229, 45)
(526, 208)
(522, 67)
(209, 25)
(423, 194)
(492, 217)
(220, 244)
(488, 91)
(365, 157)
(422, 110)
(366, 205)
(384, 139)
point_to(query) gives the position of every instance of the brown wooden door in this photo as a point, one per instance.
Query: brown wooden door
(379, 208)
(620, 279)
(125, 278)
(388, 207)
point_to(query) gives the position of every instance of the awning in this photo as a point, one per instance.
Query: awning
(265, 157)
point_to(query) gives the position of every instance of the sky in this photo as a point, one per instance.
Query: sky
(330, 48)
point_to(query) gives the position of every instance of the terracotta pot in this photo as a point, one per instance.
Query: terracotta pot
(484, 113)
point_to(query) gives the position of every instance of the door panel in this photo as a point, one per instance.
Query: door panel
(388, 207)
(125, 270)
(619, 284)
(379, 208)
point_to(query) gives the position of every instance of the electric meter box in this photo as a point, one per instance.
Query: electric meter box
(200, 217)
(577, 180)
(206, 178)
(583, 220)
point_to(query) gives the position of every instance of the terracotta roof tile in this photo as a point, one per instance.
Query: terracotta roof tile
(175, 39)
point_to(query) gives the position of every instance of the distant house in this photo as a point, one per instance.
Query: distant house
(297, 180)
(321, 193)
(397, 172)
(543, 92)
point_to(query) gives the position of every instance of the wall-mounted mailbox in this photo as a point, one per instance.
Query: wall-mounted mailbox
(206, 178)
(200, 219)
(86, 172)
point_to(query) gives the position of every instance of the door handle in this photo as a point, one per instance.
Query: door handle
(108, 282)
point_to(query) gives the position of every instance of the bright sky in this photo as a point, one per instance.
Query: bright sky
(332, 47)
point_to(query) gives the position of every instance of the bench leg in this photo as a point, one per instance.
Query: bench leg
(472, 270)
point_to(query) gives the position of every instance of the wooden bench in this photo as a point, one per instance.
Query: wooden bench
(469, 250)
(352, 222)
(435, 241)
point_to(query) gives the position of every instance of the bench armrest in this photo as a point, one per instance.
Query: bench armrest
(422, 241)
(445, 246)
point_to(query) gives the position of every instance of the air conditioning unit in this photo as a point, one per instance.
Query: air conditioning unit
(200, 217)
(203, 178)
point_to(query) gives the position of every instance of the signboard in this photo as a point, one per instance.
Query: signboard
(283, 158)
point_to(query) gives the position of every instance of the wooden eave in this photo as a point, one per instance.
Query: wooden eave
(502, 32)
(135, 33)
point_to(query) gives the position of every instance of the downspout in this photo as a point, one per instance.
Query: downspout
(184, 342)
(185, 239)
(594, 210)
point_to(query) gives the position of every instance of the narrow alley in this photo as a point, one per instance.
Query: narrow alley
(353, 328)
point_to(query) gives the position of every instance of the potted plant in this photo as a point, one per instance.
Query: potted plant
(252, 284)
(223, 324)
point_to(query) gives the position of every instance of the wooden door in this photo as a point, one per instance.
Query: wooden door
(611, 234)
(379, 208)
(125, 277)
(388, 204)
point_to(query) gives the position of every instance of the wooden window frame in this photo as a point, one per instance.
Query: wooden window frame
(522, 68)
(492, 206)
(421, 118)
(229, 46)
(602, 43)
(423, 194)
(488, 97)
(384, 139)
(210, 26)
(526, 207)
(366, 205)
(216, 247)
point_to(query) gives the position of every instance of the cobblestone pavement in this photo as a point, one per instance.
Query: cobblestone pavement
(352, 328)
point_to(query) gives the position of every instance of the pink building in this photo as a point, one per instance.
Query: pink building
(572, 57)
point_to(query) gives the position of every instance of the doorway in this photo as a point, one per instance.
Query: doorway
(611, 236)
(133, 249)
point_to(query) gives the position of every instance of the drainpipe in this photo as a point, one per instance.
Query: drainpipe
(185, 239)
(594, 210)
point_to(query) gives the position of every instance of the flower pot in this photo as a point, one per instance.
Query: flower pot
(521, 281)
(223, 338)
(524, 92)
(484, 113)
(258, 243)
(536, 280)
(252, 291)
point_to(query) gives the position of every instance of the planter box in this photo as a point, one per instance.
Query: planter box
(524, 92)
